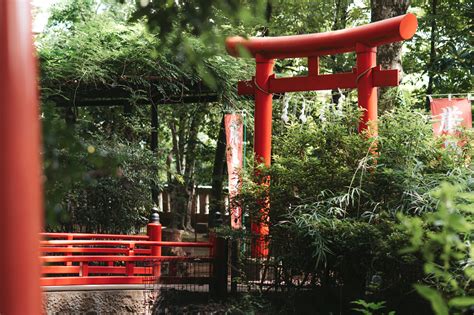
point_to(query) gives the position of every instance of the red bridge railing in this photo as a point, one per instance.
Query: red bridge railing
(83, 259)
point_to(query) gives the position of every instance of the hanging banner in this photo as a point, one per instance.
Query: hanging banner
(450, 114)
(234, 130)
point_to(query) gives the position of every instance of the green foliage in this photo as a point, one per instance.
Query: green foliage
(326, 168)
(335, 197)
(368, 308)
(444, 238)
(113, 193)
(436, 300)
(90, 45)
(183, 25)
(452, 66)
(248, 304)
(199, 18)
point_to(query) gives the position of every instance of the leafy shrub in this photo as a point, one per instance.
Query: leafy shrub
(444, 238)
(110, 192)
(335, 196)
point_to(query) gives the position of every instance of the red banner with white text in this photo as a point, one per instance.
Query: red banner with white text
(450, 116)
(234, 130)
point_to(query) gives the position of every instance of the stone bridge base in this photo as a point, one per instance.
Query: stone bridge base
(99, 300)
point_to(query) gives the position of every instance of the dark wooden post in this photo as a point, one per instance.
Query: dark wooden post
(216, 200)
(220, 252)
(235, 270)
(154, 147)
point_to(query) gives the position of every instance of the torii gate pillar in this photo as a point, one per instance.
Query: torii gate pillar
(366, 91)
(262, 145)
(366, 77)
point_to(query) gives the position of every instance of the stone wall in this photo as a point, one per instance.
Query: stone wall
(99, 302)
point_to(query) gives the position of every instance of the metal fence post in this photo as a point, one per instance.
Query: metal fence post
(220, 252)
(218, 288)
(236, 267)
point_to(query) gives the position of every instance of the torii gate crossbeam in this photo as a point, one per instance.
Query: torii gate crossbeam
(366, 77)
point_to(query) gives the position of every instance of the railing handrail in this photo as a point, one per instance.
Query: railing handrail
(81, 250)
(89, 235)
(125, 243)
(123, 258)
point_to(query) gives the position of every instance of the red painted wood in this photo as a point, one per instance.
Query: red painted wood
(20, 166)
(367, 92)
(69, 238)
(51, 259)
(396, 29)
(50, 270)
(245, 88)
(56, 281)
(346, 80)
(154, 231)
(89, 250)
(60, 269)
(70, 281)
(84, 271)
(385, 77)
(45, 244)
(313, 66)
(94, 236)
(262, 144)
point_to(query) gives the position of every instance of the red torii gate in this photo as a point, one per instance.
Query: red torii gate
(366, 77)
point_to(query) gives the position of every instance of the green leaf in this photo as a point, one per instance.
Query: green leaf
(437, 303)
(463, 301)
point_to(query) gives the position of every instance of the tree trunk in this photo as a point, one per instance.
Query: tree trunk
(184, 132)
(388, 56)
(178, 199)
(216, 203)
(177, 188)
(70, 116)
(429, 90)
(190, 165)
(191, 191)
(340, 22)
(268, 14)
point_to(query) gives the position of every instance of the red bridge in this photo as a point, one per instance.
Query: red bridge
(83, 259)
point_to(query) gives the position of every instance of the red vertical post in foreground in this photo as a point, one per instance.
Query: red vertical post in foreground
(20, 168)
(262, 146)
(366, 91)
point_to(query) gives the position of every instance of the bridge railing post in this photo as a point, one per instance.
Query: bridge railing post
(70, 237)
(154, 232)
(130, 265)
